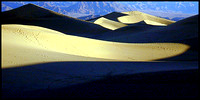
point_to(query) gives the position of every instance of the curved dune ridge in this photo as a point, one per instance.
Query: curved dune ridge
(136, 16)
(25, 45)
(109, 23)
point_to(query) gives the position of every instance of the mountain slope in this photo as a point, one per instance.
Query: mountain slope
(87, 18)
(97, 8)
(112, 16)
(85, 8)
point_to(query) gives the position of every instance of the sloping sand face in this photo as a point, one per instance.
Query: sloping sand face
(24, 45)
(136, 16)
(109, 23)
(150, 22)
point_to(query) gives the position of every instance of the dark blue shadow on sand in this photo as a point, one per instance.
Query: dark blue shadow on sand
(102, 80)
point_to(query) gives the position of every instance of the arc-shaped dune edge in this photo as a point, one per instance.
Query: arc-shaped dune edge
(25, 45)
(136, 16)
(116, 20)
(109, 23)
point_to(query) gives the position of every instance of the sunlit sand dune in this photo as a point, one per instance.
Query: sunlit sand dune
(150, 22)
(109, 23)
(136, 16)
(133, 17)
(24, 44)
(116, 20)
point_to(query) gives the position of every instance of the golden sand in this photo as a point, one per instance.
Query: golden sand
(131, 17)
(136, 16)
(109, 23)
(25, 45)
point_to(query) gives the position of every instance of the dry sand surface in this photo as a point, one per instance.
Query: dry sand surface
(24, 44)
(109, 23)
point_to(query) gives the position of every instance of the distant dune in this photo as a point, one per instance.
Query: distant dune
(133, 17)
(181, 30)
(136, 16)
(109, 23)
(118, 20)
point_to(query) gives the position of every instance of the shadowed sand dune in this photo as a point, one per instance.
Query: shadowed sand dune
(94, 79)
(31, 14)
(23, 44)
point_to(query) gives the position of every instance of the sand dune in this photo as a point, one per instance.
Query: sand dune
(150, 22)
(45, 50)
(133, 17)
(24, 44)
(181, 30)
(136, 16)
(31, 14)
(45, 34)
(184, 31)
(109, 23)
(118, 20)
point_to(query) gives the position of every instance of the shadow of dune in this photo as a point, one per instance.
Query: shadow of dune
(177, 84)
(102, 80)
